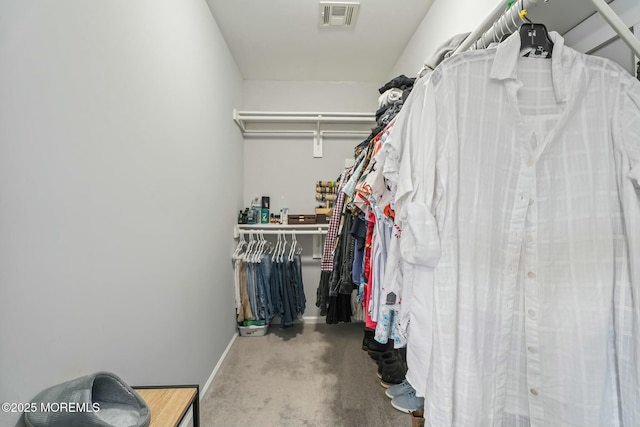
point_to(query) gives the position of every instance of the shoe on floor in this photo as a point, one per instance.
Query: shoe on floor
(388, 365)
(403, 388)
(393, 375)
(368, 336)
(99, 400)
(389, 355)
(408, 402)
(374, 348)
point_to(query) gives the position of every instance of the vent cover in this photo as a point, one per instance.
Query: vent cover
(338, 14)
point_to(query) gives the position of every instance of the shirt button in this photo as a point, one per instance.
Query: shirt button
(530, 163)
(532, 349)
(534, 391)
(531, 275)
(530, 201)
(532, 313)
(529, 239)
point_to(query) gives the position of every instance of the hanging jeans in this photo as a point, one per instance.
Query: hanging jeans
(265, 287)
(274, 284)
(288, 297)
(301, 300)
(281, 293)
(252, 289)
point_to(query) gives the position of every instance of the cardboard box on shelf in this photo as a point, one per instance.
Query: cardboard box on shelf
(302, 219)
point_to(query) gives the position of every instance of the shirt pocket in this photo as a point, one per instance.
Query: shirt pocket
(420, 241)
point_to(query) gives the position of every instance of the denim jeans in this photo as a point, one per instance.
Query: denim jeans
(274, 282)
(301, 300)
(288, 297)
(252, 290)
(265, 284)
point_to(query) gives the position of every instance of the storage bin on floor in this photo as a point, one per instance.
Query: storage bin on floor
(253, 330)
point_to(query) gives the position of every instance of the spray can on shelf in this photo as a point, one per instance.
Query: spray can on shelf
(264, 211)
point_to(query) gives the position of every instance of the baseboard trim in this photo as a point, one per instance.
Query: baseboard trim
(187, 421)
(217, 367)
(313, 319)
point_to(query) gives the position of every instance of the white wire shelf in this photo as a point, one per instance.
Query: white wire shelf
(297, 229)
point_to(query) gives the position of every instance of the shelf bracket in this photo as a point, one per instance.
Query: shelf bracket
(308, 123)
(317, 140)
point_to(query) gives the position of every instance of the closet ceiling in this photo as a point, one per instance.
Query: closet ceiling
(281, 39)
(562, 15)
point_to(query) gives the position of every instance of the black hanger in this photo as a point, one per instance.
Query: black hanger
(534, 38)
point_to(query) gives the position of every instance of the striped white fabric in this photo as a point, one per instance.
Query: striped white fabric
(520, 197)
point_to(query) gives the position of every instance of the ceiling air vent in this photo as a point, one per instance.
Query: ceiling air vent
(338, 14)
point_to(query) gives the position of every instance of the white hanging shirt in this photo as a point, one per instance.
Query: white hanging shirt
(522, 193)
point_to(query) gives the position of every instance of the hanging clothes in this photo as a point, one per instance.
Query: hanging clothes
(328, 251)
(288, 289)
(269, 282)
(407, 282)
(521, 204)
(341, 283)
(252, 271)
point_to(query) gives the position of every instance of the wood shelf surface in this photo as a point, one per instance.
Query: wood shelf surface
(167, 405)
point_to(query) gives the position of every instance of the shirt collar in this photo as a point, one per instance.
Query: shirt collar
(505, 63)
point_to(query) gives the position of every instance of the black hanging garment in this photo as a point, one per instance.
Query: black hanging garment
(341, 284)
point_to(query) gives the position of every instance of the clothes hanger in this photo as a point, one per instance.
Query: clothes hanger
(247, 252)
(252, 247)
(238, 251)
(534, 38)
(515, 26)
(501, 29)
(294, 243)
(282, 248)
(504, 35)
(257, 256)
(268, 247)
(276, 249)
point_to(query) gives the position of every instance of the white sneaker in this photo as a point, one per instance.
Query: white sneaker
(408, 402)
(398, 389)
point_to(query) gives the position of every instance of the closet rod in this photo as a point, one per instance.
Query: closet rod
(498, 23)
(308, 119)
(618, 25)
(243, 117)
(296, 232)
(311, 115)
(323, 133)
(280, 226)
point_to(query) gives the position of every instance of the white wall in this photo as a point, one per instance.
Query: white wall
(445, 19)
(448, 18)
(285, 169)
(120, 171)
(595, 36)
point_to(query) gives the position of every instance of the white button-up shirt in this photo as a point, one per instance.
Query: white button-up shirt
(521, 192)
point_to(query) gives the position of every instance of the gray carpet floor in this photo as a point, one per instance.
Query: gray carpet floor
(311, 375)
